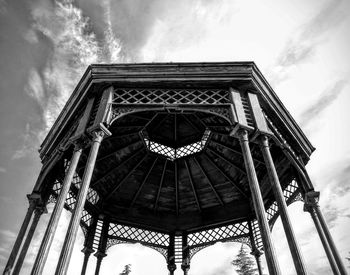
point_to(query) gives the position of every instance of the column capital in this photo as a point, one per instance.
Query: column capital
(99, 133)
(311, 200)
(171, 267)
(87, 250)
(100, 254)
(34, 199)
(256, 252)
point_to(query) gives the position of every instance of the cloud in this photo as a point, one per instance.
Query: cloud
(326, 99)
(2, 170)
(74, 47)
(302, 46)
(29, 141)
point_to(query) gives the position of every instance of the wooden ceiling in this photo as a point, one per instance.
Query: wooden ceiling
(206, 188)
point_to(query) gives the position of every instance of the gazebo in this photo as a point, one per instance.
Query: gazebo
(177, 157)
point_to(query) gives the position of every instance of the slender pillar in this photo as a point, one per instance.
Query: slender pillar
(185, 266)
(37, 214)
(171, 254)
(326, 247)
(49, 235)
(21, 233)
(72, 230)
(257, 253)
(330, 241)
(99, 255)
(258, 203)
(282, 207)
(102, 246)
(87, 252)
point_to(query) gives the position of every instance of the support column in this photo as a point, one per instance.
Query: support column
(72, 230)
(171, 254)
(99, 255)
(49, 235)
(185, 266)
(258, 203)
(87, 252)
(311, 203)
(257, 253)
(330, 241)
(282, 207)
(20, 237)
(102, 246)
(37, 214)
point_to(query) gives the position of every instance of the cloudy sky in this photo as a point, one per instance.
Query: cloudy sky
(302, 48)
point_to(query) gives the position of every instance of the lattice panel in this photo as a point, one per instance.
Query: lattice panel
(86, 218)
(290, 189)
(57, 187)
(170, 96)
(71, 200)
(273, 209)
(257, 235)
(134, 234)
(178, 249)
(92, 196)
(97, 236)
(291, 193)
(218, 234)
(172, 153)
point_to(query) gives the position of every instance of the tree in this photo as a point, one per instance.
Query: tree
(127, 270)
(244, 263)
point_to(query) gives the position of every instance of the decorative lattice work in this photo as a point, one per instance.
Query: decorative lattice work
(280, 137)
(133, 234)
(257, 235)
(178, 249)
(223, 233)
(273, 209)
(97, 236)
(291, 194)
(92, 196)
(176, 153)
(170, 96)
(86, 218)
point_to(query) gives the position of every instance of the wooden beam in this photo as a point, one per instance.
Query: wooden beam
(125, 178)
(233, 150)
(191, 123)
(176, 189)
(143, 183)
(209, 181)
(192, 185)
(227, 177)
(226, 160)
(118, 149)
(160, 185)
(160, 122)
(118, 166)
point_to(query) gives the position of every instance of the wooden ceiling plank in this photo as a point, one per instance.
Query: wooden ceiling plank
(233, 150)
(227, 177)
(192, 185)
(176, 189)
(142, 184)
(118, 166)
(209, 181)
(160, 185)
(191, 123)
(117, 150)
(226, 160)
(111, 193)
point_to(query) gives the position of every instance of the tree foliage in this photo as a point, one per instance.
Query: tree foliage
(127, 270)
(244, 264)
